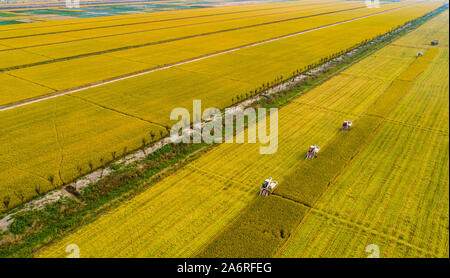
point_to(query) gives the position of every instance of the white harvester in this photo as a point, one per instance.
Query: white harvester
(268, 187)
(346, 125)
(312, 152)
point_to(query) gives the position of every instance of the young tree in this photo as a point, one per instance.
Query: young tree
(144, 142)
(51, 179)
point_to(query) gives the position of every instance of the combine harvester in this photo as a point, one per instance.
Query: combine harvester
(312, 152)
(268, 187)
(435, 42)
(346, 125)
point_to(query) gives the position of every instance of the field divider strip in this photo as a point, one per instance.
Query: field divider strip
(113, 80)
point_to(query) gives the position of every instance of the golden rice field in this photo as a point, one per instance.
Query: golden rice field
(45, 146)
(385, 182)
(185, 44)
(395, 193)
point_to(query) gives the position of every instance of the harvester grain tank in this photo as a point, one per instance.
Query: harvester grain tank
(268, 187)
(312, 152)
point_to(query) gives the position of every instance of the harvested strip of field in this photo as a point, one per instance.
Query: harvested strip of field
(383, 199)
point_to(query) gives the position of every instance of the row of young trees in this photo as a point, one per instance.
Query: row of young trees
(278, 80)
(90, 167)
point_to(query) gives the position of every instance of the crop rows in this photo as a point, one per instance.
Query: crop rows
(306, 182)
(69, 44)
(395, 194)
(80, 71)
(216, 81)
(208, 194)
(212, 191)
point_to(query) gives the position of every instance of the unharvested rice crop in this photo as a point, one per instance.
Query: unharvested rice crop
(305, 184)
(162, 54)
(137, 101)
(395, 193)
(16, 89)
(212, 193)
(71, 134)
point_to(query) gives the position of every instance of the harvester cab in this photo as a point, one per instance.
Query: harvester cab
(346, 125)
(420, 54)
(268, 187)
(312, 152)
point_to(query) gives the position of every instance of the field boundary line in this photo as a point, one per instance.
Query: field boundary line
(98, 84)
(60, 146)
(32, 82)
